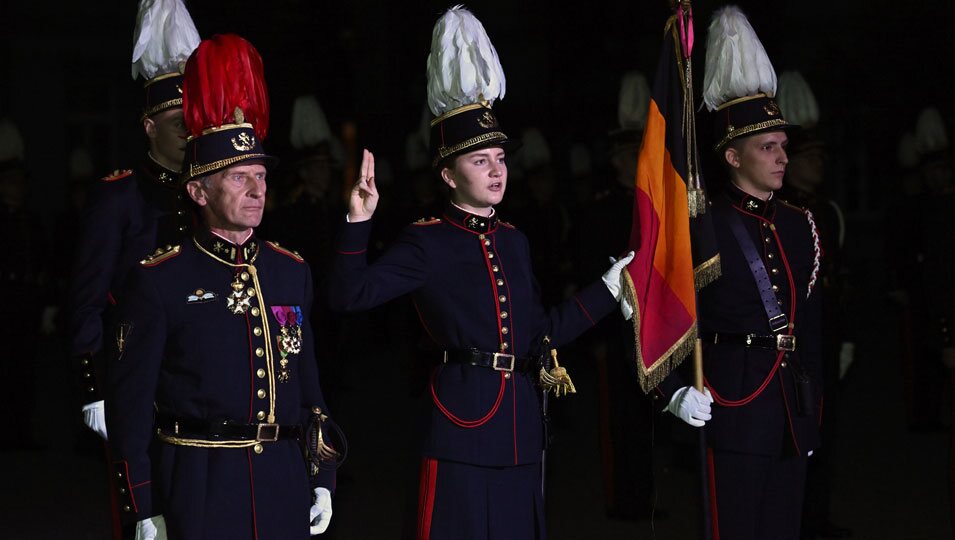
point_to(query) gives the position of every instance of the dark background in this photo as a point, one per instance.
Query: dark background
(873, 65)
(66, 78)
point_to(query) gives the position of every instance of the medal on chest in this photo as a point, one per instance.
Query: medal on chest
(240, 299)
(289, 340)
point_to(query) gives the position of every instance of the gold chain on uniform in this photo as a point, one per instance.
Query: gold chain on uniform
(266, 332)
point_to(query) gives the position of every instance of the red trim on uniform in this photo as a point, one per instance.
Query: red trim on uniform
(507, 286)
(129, 486)
(283, 251)
(255, 524)
(466, 423)
(587, 313)
(497, 304)
(118, 175)
(142, 484)
(789, 418)
(248, 325)
(450, 221)
(792, 321)
(822, 402)
(421, 318)
(110, 298)
(714, 508)
(340, 252)
(426, 489)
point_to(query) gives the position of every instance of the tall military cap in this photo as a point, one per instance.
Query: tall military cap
(225, 106)
(632, 106)
(798, 105)
(311, 136)
(739, 82)
(164, 38)
(465, 78)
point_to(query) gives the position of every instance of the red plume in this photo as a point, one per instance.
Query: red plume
(223, 73)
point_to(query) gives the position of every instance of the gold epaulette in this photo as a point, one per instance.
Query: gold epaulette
(160, 255)
(427, 221)
(287, 252)
(118, 174)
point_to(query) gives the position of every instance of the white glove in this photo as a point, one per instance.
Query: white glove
(691, 406)
(612, 280)
(153, 528)
(320, 514)
(94, 416)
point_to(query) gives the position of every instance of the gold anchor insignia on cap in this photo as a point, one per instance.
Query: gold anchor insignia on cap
(487, 120)
(771, 108)
(246, 142)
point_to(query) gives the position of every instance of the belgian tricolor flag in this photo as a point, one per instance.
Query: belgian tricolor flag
(676, 252)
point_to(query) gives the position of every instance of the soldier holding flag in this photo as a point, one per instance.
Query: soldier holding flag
(760, 321)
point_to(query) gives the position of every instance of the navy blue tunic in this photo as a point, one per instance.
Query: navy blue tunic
(770, 423)
(471, 281)
(127, 215)
(183, 354)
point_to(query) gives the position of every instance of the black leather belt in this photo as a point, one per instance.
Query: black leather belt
(225, 430)
(495, 361)
(779, 342)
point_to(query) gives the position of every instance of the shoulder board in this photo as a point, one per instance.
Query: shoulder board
(160, 255)
(427, 221)
(287, 252)
(506, 224)
(792, 206)
(118, 174)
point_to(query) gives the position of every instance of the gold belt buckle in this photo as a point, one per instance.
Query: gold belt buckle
(785, 342)
(506, 367)
(267, 433)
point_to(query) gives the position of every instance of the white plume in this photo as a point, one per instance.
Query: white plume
(164, 38)
(634, 100)
(463, 65)
(11, 143)
(796, 100)
(736, 62)
(309, 125)
(930, 131)
(535, 152)
(908, 150)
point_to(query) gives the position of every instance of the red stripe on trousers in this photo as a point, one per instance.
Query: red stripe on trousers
(714, 512)
(426, 488)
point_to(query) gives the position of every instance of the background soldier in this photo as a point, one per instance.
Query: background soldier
(760, 320)
(804, 186)
(130, 212)
(214, 354)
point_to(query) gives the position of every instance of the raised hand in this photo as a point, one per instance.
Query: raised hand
(364, 195)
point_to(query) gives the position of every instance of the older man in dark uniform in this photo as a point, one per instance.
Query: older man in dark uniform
(214, 354)
(760, 321)
(131, 212)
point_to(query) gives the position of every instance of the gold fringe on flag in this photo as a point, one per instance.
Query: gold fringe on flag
(652, 376)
